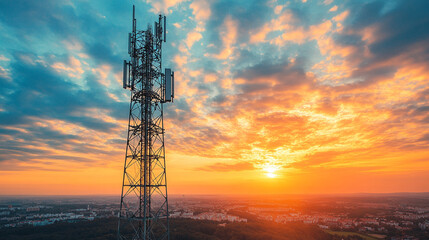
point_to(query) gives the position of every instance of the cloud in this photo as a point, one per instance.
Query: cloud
(3, 58)
(228, 35)
(281, 98)
(43, 111)
(274, 77)
(192, 38)
(201, 10)
(163, 6)
(327, 2)
(226, 167)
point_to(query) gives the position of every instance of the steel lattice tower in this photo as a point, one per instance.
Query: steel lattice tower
(144, 204)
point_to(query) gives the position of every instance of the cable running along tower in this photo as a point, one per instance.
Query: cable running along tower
(144, 204)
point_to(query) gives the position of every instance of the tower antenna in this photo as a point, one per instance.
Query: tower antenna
(144, 202)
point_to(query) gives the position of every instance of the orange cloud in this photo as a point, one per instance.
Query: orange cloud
(228, 34)
(201, 10)
(163, 6)
(73, 68)
(192, 38)
(226, 167)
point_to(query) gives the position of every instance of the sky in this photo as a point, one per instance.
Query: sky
(286, 97)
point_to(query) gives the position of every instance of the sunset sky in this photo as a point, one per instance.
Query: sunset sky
(288, 97)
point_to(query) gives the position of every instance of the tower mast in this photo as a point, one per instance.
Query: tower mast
(144, 203)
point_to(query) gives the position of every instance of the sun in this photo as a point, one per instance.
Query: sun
(270, 171)
(271, 175)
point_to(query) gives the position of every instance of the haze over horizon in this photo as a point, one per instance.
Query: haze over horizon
(272, 97)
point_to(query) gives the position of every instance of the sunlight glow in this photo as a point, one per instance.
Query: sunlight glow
(271, 175)
(270, 171)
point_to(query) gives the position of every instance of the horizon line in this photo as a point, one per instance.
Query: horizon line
(218, 194)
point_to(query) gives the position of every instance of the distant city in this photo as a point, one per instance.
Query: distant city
(364, 216)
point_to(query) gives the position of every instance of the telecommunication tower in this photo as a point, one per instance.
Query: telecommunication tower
(144, 203)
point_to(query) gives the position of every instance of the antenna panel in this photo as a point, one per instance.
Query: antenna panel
(156, 29)
(165, 28)
(125, 75)
(172, 85)
(168, 85)
(129, 43)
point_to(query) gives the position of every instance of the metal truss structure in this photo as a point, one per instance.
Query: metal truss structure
(144, 203)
